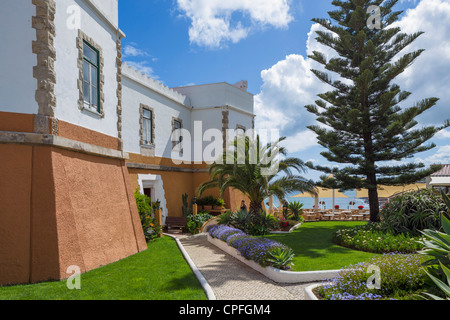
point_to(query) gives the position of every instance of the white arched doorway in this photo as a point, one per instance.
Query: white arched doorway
(156, 186)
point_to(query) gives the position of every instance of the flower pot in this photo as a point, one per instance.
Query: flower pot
(207, 207)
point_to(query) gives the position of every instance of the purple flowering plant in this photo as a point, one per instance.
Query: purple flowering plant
(402, 276)
(257, 249)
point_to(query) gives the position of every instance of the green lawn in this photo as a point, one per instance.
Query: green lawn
(315, 250)
(159, 273)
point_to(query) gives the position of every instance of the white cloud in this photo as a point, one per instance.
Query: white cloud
(443, 134)
(131, 51)
(442, 156)
(429, 75)
(214, 22)
(301, 141)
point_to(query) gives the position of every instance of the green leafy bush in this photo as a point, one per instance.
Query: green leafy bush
(413, 211)
(372, 238)
(146, 211)
(195, 222)
(219, 202)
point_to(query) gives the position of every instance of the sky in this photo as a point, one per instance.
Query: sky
(267, 42)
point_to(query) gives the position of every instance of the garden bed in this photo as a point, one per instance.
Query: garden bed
(283, 231)
(401, 278)
(277, 275)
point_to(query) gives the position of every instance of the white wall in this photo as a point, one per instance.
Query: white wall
(218, 95)
(17, 85)
(135, 94)
(68, 73)
(110, 8)
(210, 119)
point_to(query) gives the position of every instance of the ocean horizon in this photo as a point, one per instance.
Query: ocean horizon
(343, 203)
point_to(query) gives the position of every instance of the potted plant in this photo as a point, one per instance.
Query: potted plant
(209, 203)
(336, 207)
(220, 203)
(200, 203)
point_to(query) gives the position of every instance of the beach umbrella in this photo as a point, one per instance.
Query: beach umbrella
(389, 191)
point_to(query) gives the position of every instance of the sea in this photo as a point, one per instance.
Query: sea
(343, 203)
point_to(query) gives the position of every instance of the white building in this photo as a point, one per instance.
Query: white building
(80, 131)
(440, 180)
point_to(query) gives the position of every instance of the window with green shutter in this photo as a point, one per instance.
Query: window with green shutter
(91, 77)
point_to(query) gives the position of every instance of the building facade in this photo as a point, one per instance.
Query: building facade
(440, 180)
(80, 131)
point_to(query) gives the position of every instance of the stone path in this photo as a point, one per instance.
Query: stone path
(230, 279)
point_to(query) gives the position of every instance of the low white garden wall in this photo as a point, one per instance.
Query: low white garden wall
(277, 275)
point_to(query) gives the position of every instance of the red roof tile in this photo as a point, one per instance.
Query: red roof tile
(444, 172)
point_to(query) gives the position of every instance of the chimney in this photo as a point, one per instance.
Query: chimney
(243, 85)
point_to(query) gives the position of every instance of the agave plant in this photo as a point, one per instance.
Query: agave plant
(281, 258)
(437, 245)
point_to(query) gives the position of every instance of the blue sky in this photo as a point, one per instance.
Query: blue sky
(184, 42)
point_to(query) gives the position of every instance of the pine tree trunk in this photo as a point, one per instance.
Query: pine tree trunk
(374, 205)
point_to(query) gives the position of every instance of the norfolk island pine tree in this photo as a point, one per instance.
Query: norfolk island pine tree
(364, 124)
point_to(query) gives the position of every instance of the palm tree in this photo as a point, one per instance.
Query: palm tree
(255, 170)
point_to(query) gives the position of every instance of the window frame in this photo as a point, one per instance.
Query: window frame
(147, 140)
(177, 144)
(98, 111)
(97, 67)
(143, 142)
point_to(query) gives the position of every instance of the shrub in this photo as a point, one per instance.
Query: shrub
(295, 209)
(143, 204)
(225, 218)
(372, 238)
(195, 222)
(401, 277)
(220, 202)
(413, 211)
(146, 208)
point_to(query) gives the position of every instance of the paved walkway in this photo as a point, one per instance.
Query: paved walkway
(230, 279)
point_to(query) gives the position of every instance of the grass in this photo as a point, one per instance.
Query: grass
(315, 250)
(159, 273)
